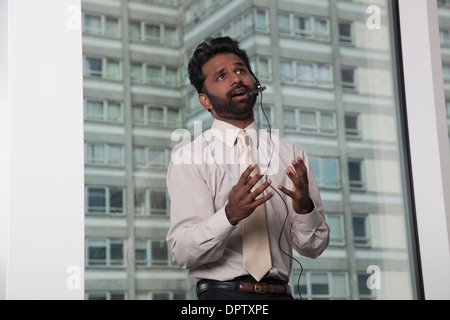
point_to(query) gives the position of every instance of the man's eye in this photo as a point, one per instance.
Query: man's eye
(221, 77)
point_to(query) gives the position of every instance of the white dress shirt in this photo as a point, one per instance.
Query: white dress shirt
(199, 179)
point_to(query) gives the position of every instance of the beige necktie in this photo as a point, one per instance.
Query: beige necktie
(255, 240)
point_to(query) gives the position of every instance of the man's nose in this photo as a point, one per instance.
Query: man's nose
(235, 80)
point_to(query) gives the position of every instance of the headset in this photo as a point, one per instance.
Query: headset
(259, 89)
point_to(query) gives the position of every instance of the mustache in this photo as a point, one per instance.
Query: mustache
(238, 87)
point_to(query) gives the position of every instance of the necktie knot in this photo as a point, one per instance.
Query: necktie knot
(244, 137)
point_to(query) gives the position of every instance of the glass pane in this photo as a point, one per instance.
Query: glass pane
(444, 27)
(116, 253)
(116, 200)
(154, 74)
(96, 252)
(158, 203)
(94, 67)
(159, 252)
(113, 70)
(96, 200)
(112, 27)
(94, 110)
(114, 112)
(336, 231)
(336, 97)
(92, 24)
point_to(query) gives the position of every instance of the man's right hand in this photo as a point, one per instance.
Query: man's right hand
(242, 201)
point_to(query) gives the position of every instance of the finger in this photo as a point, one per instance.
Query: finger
(300, 169)
(292, 175)
(253, 181)
(261, 200)
(255, 193)
(287, 192)
(245, 175)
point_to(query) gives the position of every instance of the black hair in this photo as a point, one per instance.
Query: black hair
(209, 49)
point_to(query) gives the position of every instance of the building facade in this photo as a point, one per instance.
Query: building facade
(329, 68)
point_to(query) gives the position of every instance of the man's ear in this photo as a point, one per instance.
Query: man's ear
(204, 101)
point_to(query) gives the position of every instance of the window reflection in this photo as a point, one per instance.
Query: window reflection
(330, 89)
(444, 32)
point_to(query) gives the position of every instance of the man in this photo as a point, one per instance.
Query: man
(216, 189)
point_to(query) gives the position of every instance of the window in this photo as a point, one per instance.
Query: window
(152, 157)
(356, 175)
(105, 200)
(96, 24)
(99, 154)
(326, 172)
(105, 253)
(352, 126)
(361, 230)
(446, 71)
(255, 20)
(105, 68)
(262, 67)
(310, 121)
(157, 116)
(349, 81)
(299, 66)
(150, 202)
(305, 73)
(152, 253)
(307, 27)
(103, 110)
(261, 117)
(154, 32)
(346, 32)
(337, 229)
(322, 285)
(444, 36)
(106, 295)
(154, 74)
(363, 289)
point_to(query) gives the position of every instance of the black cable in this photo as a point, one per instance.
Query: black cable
(281, 197)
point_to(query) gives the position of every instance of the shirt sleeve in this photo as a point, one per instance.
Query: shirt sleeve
(310, 232)
(198, 233)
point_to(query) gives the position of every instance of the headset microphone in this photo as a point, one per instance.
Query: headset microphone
(258, 90)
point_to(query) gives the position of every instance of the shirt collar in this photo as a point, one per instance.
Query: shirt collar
(228, 133)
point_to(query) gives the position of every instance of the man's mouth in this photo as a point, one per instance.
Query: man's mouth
(240, 93)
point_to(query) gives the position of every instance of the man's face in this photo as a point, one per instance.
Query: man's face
(227, 87)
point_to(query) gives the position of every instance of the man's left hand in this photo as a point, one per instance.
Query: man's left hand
(301, 201)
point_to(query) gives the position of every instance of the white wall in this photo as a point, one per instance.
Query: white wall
(430, 155)
(41, 166)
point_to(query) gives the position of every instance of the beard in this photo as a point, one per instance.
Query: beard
(227, 105)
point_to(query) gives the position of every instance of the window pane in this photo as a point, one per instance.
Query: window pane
(351, 131)
(444, 23)
(159, 252)
(94, 110)
(116, 200)
(319, 284)
(112, 27)
(336, 231)
(113, 70)
(96, 252)
(158, 202)
(154, 75)
(94, 67)
(116, 252)
(92, 24)
(96, 200)
(114, 112)
(141, 253)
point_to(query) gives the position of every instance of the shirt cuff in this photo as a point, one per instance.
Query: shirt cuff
(310, 220)
(220, 227)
